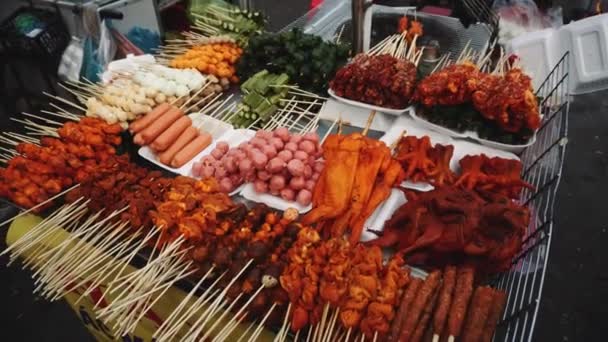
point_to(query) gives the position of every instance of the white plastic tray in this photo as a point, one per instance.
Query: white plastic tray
(396, 199)
(219, 130)
(367, 105)
(472, 135)
(272, 201)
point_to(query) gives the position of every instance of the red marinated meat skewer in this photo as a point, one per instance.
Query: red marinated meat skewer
(499, 300)
(406, 302)
(445, 300)
(422, 298)
(462, 294)
(426, 317)
(478, 314)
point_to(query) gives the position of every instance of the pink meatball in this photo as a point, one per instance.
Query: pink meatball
(295, 138)
(208, 161)
(260, 186)
(196, 169)
(285, 155)
(307, 171)
(239, 155)
(207, 171)
(277, 143)
(222, 146)
(311, 161)
(264, 175)
(243, 146)
(275, 165)
(226, 185)
(303, 156)
(282, 133)
(319, 165)
(315, 176)
(236, 179)
(220, 172)
(258, 142)
(270, 151)
(217, 153)
(297, 183)
(290, 146)
(288, 194)
(245, 166)
(319, 153)
(310, 185)
(230, 164)
(304, 197)
(277, 182)
(296, 167)
(308, 147)
(263, 134)
(311, 136)
(259, 160)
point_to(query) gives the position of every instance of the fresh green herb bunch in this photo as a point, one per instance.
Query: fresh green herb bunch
(308, 60)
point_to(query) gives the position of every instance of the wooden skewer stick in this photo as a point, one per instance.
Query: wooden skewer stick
(37, 233)
(309, 332)
(451, 338)
(195, 95)
(435, 338)
(182, 304)
(40, 204)
(42, 119)
(221, 317)
(348, 334)
(370, 119)
(246, 331)
(332, 325)
(285, 320)
(240, 312)
(230, 329)
(210, 312)
(258, 331)
(58, 98)
(200, 302)
(182, 275)
(94, 279)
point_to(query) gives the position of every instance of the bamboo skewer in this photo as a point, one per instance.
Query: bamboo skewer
(40, 204)
(258, 330)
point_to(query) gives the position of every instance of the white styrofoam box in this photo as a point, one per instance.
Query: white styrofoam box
(396, 199)
(272, 201)
(587, 41)
(538, 52)
(471, 135)
(355, 116)
(367, 105)
(219, 130)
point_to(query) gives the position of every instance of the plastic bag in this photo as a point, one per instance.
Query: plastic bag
(71, 60)
(97, 55)
(519, 17)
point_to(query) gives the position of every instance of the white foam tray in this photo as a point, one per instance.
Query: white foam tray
(396, 199)
(472, 135)
(272, 201)
(367, 105)
(219, 130)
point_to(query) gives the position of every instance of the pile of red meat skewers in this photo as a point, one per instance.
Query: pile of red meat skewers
(381, 80)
